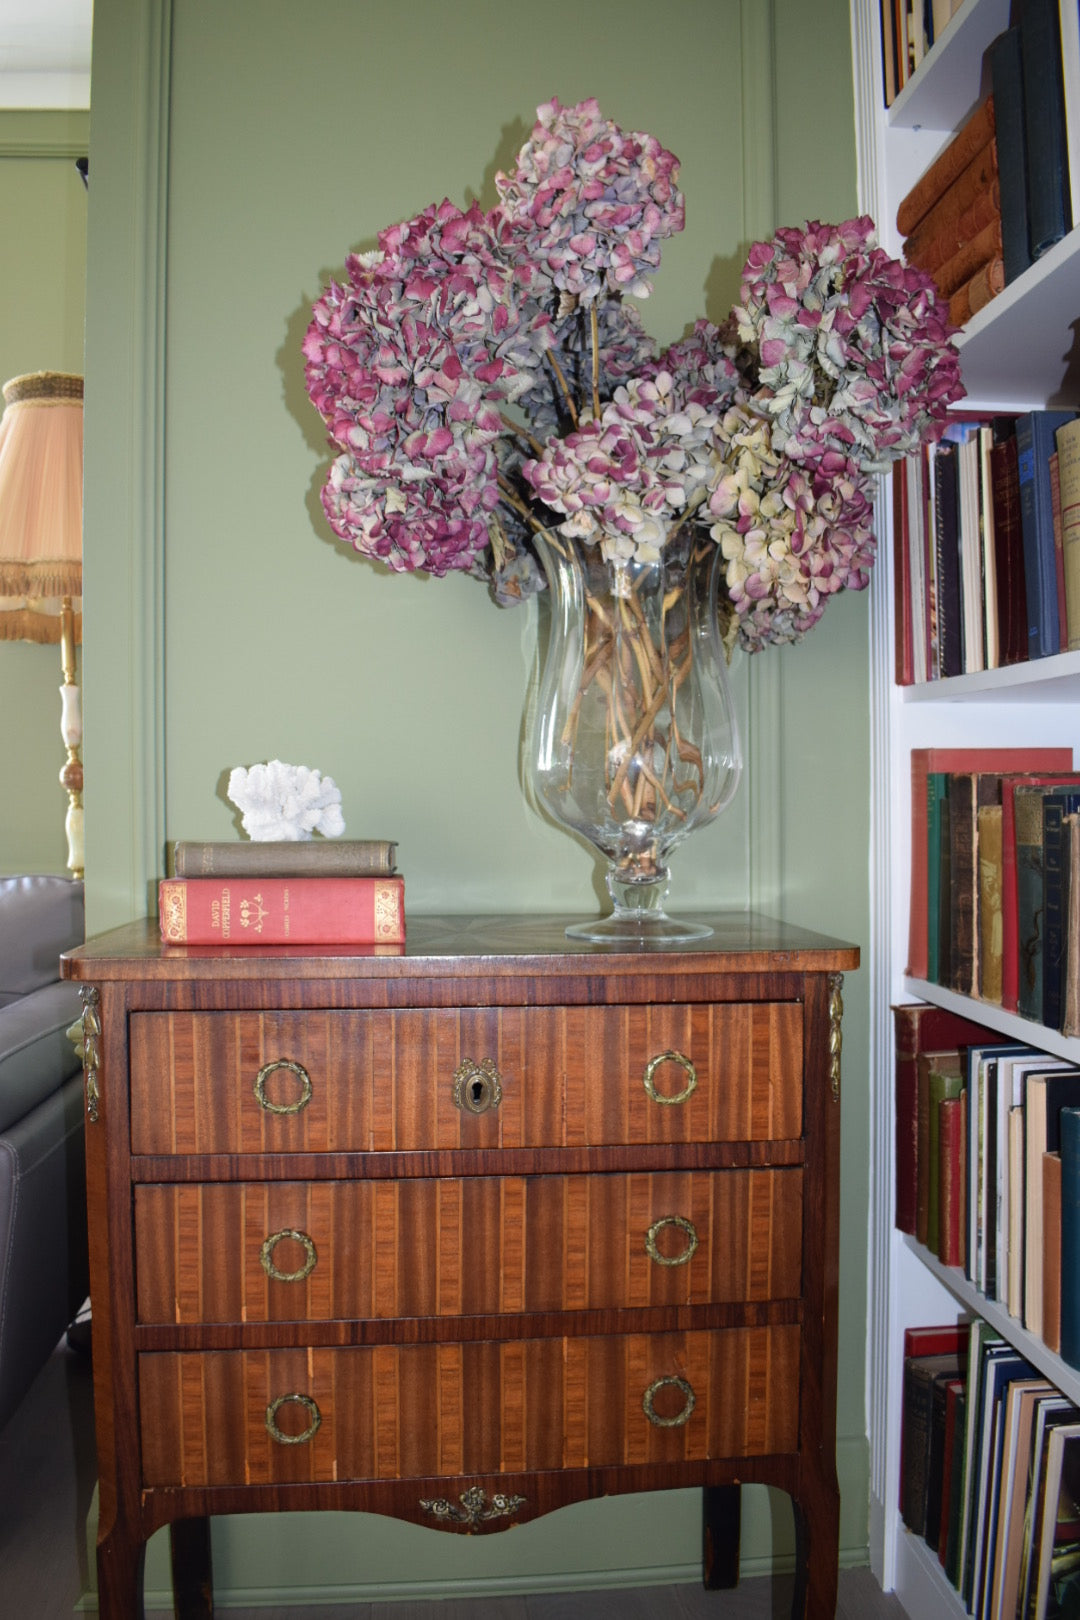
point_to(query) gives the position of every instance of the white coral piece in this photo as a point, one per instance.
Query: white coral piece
(285, 802)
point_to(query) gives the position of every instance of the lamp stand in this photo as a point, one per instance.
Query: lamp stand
(71, 774)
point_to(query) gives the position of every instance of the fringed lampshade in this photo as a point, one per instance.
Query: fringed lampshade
(41, 463)
(41, 442)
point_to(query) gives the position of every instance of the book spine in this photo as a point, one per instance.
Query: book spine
(1067, 439)
(249, 912)
(1070, 1016)
(1049, 215)
(1070, 1236)
(1009, 552)
(989, 918)
(1051, 1250)
(969, 258)
(1006, 75)
(1035, 524)
(985, 284)
(947, 560)
(1029, 901)
(1053, 812)
(950, 1247)
(937, 834)
(321, 857)
(969, 141)
(962, 882)
(950, 224)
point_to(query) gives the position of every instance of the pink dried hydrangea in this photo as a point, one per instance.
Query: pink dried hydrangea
(409, 365)
(853, 346)
(791, 536)
(587, 205)
(624, 479)
(480, 372)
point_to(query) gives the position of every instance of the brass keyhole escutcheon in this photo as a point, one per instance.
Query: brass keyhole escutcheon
(266, 1256)
(278, 1434)
(680, 1417)
(656, 1063)
(297, 1069)
(477, 1086)
(681, 1224)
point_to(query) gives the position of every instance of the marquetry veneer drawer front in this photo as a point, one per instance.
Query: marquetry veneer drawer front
(401, 1411)
(335, 1250)
(370, 1081)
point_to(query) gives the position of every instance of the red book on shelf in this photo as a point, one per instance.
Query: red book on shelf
(923, 762)
(282, 911)
(920, 1027)
(951, 1181)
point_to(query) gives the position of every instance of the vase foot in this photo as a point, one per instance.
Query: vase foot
(640, 928)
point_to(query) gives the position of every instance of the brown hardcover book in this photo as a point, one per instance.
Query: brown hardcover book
(1051, 1250)
(919, 1027)
(969, 258)
(975, 294)
(948, 226)
(969, 791)
(939, 1075)
(950, 1247)
(972, 136)
(311, 857)
(1009, 552)
(989, 913)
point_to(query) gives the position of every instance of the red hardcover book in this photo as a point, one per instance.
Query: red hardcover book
(282, 911)
(1010, 931)
(1008, 551)
(949, 1338)
(919, 1028)
(925, 760)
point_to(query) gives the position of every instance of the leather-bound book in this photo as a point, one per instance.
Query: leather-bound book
(973, 136)
(989, 860)
(1007, 77)
(1008, 551)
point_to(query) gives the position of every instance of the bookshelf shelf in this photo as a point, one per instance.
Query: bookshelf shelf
(1066, 1378)
(996, 1018)
(1020, 352)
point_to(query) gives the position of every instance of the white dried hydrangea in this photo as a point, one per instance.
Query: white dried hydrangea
(285, 802)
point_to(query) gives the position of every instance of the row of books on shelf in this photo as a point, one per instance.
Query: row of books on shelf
(1006, 186)
(988, 1166)
(909, 30)
(986, 536)
(309, 892)
(990, 1472)
(995, 878)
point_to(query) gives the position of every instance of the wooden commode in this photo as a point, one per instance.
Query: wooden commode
(461, 1233)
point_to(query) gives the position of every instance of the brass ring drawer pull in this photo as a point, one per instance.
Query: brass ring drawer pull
(266, 1256)
(684, 1063)
(283, 1108)
(279, 1435)
(477, 1086)
(680, 1418)
(683, 1225)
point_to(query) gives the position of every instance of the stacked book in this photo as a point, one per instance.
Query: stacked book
(986, 536)
(1001, 192)
(995, 878)
(951, 218)
(309, 892)
(990, 1471)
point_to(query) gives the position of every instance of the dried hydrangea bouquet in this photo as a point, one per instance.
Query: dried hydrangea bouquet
(497, 408)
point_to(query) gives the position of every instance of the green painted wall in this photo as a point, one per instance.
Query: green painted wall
(293, 135)
(42, 273)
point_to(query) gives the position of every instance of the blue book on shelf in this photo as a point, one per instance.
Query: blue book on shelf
(1049, 207)
(1034, 446)
(1007, 78)
(1069, 1126)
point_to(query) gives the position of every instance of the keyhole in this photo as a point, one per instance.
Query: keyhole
(478, 1092)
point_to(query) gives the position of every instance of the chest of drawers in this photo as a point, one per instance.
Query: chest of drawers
(461, 1233)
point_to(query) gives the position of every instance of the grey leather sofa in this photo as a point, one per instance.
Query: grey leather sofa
(43, 1261)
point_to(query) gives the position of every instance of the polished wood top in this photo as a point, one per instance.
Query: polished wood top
(439, 946)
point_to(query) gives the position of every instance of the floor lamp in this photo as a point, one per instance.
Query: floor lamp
(41, 437)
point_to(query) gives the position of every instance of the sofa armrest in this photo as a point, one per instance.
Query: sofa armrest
(36, 1056)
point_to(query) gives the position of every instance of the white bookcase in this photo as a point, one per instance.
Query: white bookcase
(1021, 351)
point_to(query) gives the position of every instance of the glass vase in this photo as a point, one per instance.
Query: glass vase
(634, 743)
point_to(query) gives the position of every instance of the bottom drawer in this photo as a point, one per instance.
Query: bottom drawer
(418, 1411)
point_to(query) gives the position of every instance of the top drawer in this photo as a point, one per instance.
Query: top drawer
(414, 1079)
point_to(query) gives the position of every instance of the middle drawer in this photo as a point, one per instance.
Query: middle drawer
(352, 1250)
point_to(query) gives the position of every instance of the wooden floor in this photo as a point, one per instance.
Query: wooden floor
(47, 1475)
